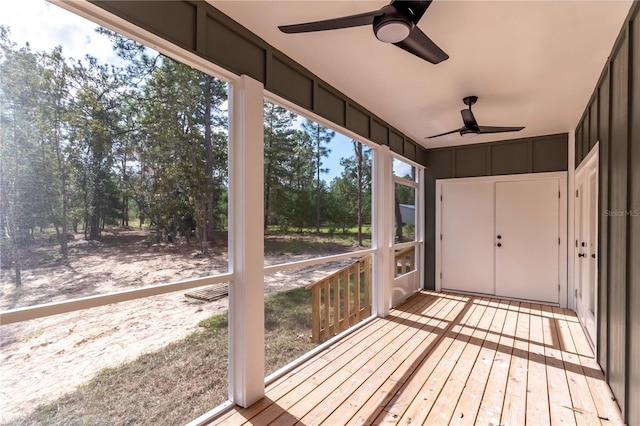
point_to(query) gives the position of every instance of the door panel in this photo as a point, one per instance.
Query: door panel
(527, 219)
(586, 275)
(467, 215)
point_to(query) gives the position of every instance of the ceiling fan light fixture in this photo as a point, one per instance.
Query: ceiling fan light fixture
(392, 31)
(468, 133)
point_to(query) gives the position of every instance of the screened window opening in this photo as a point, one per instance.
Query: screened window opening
(317, 192)
(114, 179)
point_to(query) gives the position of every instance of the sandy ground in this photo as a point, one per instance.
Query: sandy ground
(43, 359)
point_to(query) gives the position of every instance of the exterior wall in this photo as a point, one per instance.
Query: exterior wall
(202, 29)
(529, 155)
(613, 117)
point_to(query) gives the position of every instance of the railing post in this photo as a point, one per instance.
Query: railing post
(367, 285)
(315, 314)
(344, 277)
(327, 309)
(356, 292)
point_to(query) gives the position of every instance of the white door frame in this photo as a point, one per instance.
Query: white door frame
(563, 225)
(588, 163)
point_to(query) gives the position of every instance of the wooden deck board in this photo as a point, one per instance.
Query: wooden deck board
(558, 389)
(391, 372)
(445, 358)
(582, 401)
(515, 396)
(354, 355)
(469, 403)
(493, 398)
(336, 389)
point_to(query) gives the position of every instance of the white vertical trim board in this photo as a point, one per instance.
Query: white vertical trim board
(246, 254)
(571, 208)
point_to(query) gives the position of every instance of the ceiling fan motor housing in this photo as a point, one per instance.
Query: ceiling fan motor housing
(392, 26)
(470, 100)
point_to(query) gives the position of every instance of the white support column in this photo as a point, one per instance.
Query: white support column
(383, 223)
(246, 292)
(421, 206)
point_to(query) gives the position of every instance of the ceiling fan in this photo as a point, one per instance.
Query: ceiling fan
(471, 127)
(395, 23)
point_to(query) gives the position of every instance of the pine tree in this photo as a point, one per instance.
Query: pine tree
(320, 136)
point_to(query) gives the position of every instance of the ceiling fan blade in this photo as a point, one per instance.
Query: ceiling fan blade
(445, 133)
(332, 24)
(422, 46)
(496, 129)
(416, 8)
(468, 119)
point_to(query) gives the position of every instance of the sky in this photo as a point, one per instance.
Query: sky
(46, 26)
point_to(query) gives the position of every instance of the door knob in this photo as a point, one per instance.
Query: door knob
(593, 256)
(582, 255)
(499, 237)
(499, 245)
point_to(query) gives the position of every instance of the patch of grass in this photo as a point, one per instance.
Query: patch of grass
(183, 380)
(322, 244)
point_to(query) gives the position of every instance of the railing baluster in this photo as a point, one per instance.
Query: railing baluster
(327, 309)
(336, 305)
(367, 286)
(343, 277)
(315, 314)
(356, 292)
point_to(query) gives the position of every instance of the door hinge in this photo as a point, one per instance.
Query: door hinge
(558, 240)
(440, 237)
(575, 292)
(576, 243)
(440, 275)
(577, 193)
(559, 194)
(440, 197)
(558, 288)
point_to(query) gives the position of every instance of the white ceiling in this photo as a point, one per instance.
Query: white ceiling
(532, 63)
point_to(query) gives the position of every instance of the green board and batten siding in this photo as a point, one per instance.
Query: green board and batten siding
(613, 118)
(529, 155)
(202, 29)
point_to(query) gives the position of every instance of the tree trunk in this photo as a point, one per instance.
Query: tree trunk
(267, 182)
(94, 218)
(209, 210)
(125, 196)
(64, 193)
(398, 221)
(359, 167)
(15, 243)
(318, 181)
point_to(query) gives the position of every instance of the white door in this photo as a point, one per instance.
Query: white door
(586, 268)
(527, 241)
(467, 215)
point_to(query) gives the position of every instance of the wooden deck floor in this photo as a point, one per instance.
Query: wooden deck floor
(442, 358)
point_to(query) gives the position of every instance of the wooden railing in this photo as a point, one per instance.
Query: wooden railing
(344, 298)
(405, 261)
(340, 300)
